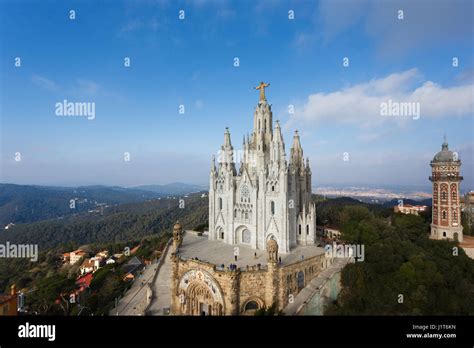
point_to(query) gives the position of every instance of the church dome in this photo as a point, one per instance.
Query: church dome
(445, 155)
(272, 245)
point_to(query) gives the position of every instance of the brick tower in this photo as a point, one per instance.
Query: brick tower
(446, 218)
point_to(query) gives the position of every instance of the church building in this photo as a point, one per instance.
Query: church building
(261, 247)
(266, 197)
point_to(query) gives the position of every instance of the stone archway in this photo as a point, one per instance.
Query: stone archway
(242, 235)
(250, 305)
(220, 233)
(200, 294)
(200, 301)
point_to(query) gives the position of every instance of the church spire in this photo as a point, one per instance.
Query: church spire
(227, 137)
(213, 164)
(227, 152)
(297, 152)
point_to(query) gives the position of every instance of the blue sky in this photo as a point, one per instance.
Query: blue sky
(191, 62)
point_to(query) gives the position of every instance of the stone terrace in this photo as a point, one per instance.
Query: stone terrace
(218, 253)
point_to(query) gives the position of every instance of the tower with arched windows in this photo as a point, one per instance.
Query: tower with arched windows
(446, 212)
(266, 197)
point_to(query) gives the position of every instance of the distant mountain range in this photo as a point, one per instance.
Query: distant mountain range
(176, 188)
(30, 203)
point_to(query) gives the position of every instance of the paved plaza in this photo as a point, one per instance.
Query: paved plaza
(218, 253)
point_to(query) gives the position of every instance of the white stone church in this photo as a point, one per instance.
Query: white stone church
(265, 197)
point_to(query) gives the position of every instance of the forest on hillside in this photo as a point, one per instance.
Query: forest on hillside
(404, 272)
(120, 223)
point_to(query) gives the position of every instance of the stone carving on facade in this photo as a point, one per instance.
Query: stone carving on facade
(272, 250)
(177, 236)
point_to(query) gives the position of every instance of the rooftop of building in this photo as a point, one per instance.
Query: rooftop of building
(218, 253)
(6, 298)
(445, 155)
(411, 206)
(132, 265)
(78, 251)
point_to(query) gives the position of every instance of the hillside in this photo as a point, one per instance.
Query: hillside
(118, 223)
(30, 203)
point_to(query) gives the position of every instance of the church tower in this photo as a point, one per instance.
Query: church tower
(268, 198)
(446, 212)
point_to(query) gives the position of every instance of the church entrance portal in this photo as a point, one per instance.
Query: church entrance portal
(204, 308)
(246, 236)
(200, 294)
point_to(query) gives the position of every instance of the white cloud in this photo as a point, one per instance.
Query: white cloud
(426, 23)
(360, 104)
(85, 87)
(199, 104)
(43, 82)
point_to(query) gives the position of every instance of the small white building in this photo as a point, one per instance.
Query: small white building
(76, 255)
(110, 261)
(90, 265)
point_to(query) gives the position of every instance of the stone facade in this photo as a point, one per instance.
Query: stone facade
(202, 288)
(446, 213)
(266, 197)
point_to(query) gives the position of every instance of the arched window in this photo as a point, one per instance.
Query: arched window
(444, 215)
(235, 213)
(455, 216)
(220, 233)
(300, 280)
(454, 193)
(272, 207)
(273, 188)
(299, 229)
(246, 215)
(307, 230)
(251, 305)
(265, 124)
(444, 234)
(444, 192)
(259, 126)
(220, 203)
